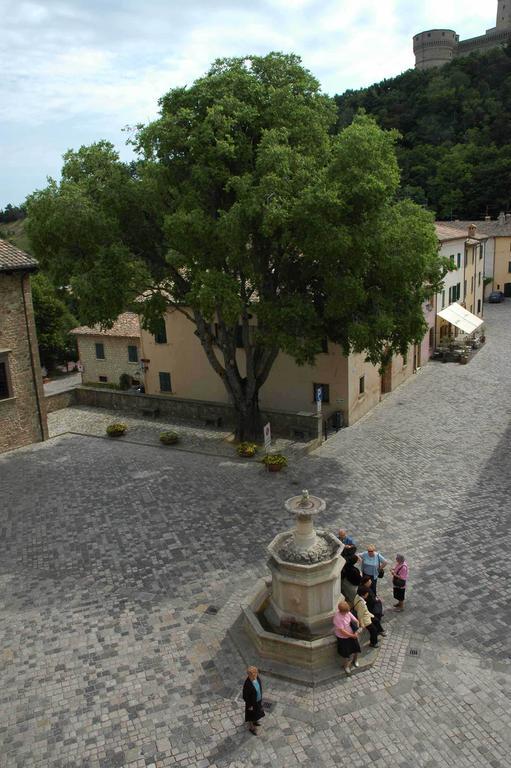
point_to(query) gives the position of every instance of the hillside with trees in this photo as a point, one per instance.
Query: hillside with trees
(455, 126)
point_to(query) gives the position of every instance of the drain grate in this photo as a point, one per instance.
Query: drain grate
(268, 705)
(212, 610)
(413, 652)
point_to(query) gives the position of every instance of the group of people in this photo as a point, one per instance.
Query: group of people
(361, 608)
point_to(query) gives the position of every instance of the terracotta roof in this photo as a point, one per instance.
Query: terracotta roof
(444, 232)
(488, 227)
(14, 260)
(126, 325)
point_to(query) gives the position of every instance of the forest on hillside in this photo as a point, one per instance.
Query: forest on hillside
(455, 126)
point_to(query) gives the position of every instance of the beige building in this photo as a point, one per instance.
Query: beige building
(464, 246)
(437, 47)
(497, 259)
(105, 355)
(22, 407)
(177, 366)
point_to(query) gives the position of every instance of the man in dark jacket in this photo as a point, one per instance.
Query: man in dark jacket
(253, 698)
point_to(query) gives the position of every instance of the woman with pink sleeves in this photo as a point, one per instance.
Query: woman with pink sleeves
(399, 578)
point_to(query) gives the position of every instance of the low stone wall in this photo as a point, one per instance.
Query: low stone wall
(60, 400)
(297, 426)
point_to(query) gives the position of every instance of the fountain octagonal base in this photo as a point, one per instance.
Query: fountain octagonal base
(301, 661)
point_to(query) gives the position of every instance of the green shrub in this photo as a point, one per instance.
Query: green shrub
(247, 449)
(275, 459)
(169, 438)
(116, 430)
(124, 381)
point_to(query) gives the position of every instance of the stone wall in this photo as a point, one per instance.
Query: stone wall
(23, 415)
(60, 400)
(298, 426)
(116, 359)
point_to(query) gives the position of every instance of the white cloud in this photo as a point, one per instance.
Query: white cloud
(67, 64)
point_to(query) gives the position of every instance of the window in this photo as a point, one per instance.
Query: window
(431, 338)
(324, 345)
(165, 385)
(478, 306)
(160, 337)
(452, 259)
(509, 267)
(443, 299)
(103, 379)
(450, 295)
(100, 351)
(459, 260)
(479, 278)
(132, 353)
(458, 291)
(325, 388)
(5, 390)
(472, 285)
(361, 385)
(465, 289)
(466, 258)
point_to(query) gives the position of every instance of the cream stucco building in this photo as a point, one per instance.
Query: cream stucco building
(497, 258)
(464, 246)
(176, 365)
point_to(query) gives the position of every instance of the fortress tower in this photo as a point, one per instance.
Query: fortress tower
(437, 47)
(504, 15)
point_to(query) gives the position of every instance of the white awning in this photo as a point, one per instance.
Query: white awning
(457, 315)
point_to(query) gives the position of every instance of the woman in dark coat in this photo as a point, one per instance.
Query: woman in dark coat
(253, 698)
(350, 578)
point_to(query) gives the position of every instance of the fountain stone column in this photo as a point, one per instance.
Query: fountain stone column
(305, 565)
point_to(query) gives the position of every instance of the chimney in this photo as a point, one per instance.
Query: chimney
(487, 218)
(472, 230)
(502, 218)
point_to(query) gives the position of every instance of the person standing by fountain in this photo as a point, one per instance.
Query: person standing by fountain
(253, 698)
(345, 629)
(373, 565)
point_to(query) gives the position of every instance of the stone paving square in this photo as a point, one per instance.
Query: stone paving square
(112, 552)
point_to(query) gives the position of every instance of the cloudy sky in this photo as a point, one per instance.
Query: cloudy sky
(76, 71)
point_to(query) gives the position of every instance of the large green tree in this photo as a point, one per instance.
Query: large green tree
(249, 215)
(53, 320)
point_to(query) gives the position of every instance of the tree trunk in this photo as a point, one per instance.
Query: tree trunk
(250, 423)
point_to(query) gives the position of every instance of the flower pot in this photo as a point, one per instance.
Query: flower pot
(274, 467)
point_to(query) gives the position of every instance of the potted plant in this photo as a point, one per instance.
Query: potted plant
(275, 462)
(169, 438)
(117, 429)
(247, 450)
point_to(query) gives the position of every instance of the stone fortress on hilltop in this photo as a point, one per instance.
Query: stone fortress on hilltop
(437, 47)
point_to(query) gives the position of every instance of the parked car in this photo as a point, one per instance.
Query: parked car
(496, 297)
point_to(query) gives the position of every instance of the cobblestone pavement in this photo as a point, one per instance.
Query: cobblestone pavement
(111, 554)
(217, 442)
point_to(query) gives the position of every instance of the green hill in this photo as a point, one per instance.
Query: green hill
(455, 126)
(14, 232)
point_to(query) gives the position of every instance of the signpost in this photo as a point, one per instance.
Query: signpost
(267, 437)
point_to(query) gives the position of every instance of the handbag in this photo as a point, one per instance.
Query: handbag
(354, 625)
(381, 573)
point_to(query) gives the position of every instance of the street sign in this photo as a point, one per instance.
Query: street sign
(267, 437)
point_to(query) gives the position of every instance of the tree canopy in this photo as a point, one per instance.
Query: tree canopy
(455, 124)
(245, 203)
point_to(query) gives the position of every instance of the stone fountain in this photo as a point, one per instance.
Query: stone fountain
(289, 618)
